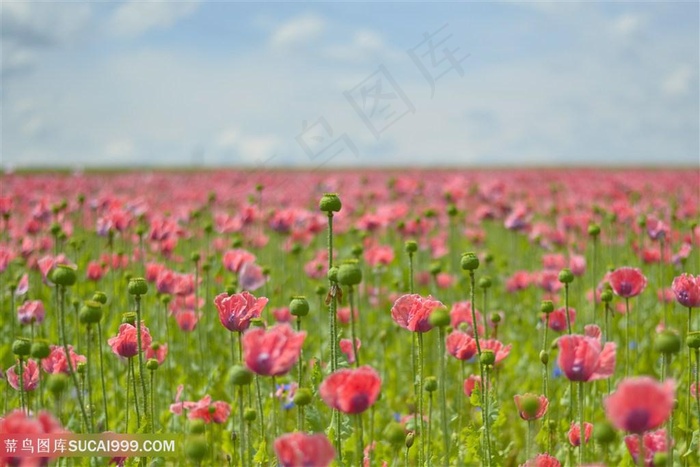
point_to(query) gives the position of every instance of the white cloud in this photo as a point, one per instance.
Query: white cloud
(134, 18)
(679, 81)
(629, 24)
(298, 30)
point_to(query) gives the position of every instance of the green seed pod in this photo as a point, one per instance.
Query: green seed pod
(469, 261)
(485, 282)
(411, 246)
(546, 306)
(357, 251)
(395, 433)
(249, 414)
(55, 229)
(530, 404)
(90, 312)
(693, 340)
(604, 433)
(566, 276)
(82, 368)
(195, 256)
(452, 210)
(330, 203)
(257, 323)
(129, 318)
(241, 376)
(320, 290)
(488, 258)
(430, 384)
(299, 306)
(544, 357)
(196, 448)
(302, 397)
(231, 289)
(63, 275)
(667, 342)
(349, 273)
(487, 357)
(21, 347)
(439, 318)
(660, 458)
(56, 383)
(196, 426)
(593, 230)
(606, 296)
(333, 274)
(100, 297)
(152, 364)
(435, 268)
(138, 286)
(296, 249)
(40, 350)
(495, 317)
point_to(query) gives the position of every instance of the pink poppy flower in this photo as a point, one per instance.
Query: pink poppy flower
(582, 358)
(57, 362)
(19, 424)
(208, 411)
(30, 375)
(251, 277)
(31, 311)
(574, 433)
(272, 352)
(347, 349)
(379, 255)
(461, 345)
(351, 391)
(301, 449)
(542, 404)
(157, 351)
(640, 404)
(125, 343)
(471, 383)
(557, 319)
(234, 260)
(500, 351)
(627, 282)
(686, 288)
(22, 285)
(542, 460)
(236, 311)
(654, 441)
(412, 312)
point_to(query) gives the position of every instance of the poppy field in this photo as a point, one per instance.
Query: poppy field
(355, 317)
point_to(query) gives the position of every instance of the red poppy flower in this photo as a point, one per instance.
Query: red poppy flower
(557, 318)
(272, 352)
(531, 413)
(295, 449)
(19, 424)
(575, 433)
(627, 282)
(686, 288)
(412, 312)
(542, 460)
(582, 358)
(351, 391)
(461, 345)
(640, 404)
(654, 441)
(30, 376)
(236, 311)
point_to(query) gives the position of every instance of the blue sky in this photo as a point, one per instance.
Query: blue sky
(368, 84)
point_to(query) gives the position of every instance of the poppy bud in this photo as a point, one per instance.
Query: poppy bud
(485, 282)
(430, 384)
(495, 318)
(165, 299)
(452, 210)
(357, 251)
(320, 290)
(544, 357)
(138, 286)
(530, 405)
(55, 228)
(435, 268)
(330, 203)
(487, 357)
(642, 221)
(667, 342)
(409, 439)
(439, 317)
(82, 368)
(195, 256)
(302, 397)
(469, 261)
(196, 426)
(40, 350)
(249, 414)
(100, 297)
(296, 249)
(299, 306)
(206, 266)
(90, 312)
(349, 273)
(606, 296)
(21, 347)
(566, 276)
(411, 246)
(241, 376)
(63, 275)
(546, 306)
(488, 258)
(333, 274)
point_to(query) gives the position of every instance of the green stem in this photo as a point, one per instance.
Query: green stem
(627, 336)
(62, 329)
(421, 438)
(528, 440)
(261, 414)
(443, 394)
(241, 427)
(697, 381)
(142, 373)
(353, 326)
(153, 401)
(132, 370)
(582, 434)
(669, 424)
(485, 412)
(430, 431)
(410, 272)
(358, 438)
(102, 377)
(21, 386)
(89, 379)
(566, 309)
(641, 461)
